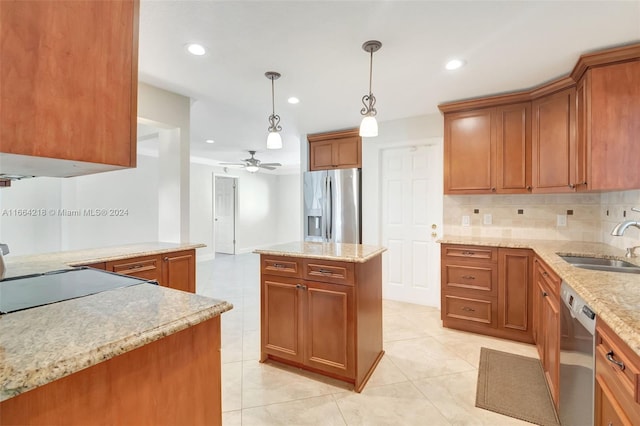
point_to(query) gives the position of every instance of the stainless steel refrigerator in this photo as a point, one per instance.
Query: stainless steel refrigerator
(332, 211)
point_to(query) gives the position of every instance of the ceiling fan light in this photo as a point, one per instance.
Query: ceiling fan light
(369, 127)
(252, 169)
(274, 140)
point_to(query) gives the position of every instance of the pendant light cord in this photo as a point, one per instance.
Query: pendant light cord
(273, 102)
(370, 70)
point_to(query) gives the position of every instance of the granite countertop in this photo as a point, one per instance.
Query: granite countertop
(38, 263)
(613, 296)
(355, 253)
(43, 344)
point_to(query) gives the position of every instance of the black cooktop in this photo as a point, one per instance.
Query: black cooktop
(35, 290)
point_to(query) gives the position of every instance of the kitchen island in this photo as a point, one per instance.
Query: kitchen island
(321, 308)
(143, 354)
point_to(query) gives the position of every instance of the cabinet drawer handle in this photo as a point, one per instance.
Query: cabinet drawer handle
(136, 267)
(610, 358)
(468, 253)
(468, 309)
(468, 277)
(324, 271)
(300, 286)
(278, 265)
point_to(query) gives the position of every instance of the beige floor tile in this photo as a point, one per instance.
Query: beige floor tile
(386, 373)
(251, 345)
(231, 386)
(396, 404)
(455, 397)
(271, 383)
(425, 357)
(321, 410)
(232, 418)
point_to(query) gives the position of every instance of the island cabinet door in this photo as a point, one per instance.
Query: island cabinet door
(329, 328)
(281, 332)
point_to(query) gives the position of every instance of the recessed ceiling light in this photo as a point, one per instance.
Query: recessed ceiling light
(293, 100)
(454, 64)
(196, 49)
(210, 141)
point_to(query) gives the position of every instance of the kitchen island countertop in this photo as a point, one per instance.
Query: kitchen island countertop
(43, 344)
(355, 253)
(614, 297)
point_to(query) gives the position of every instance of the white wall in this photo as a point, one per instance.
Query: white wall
(268, 208)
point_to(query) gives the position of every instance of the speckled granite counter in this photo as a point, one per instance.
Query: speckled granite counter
(43, 344)
(37, 263)
(355, 253)
(615, 297)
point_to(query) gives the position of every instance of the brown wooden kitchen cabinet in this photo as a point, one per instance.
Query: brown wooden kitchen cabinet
(608, 104)
(554, 142)
(487, 290)
(69, 83)
(172, 269)
(488, 150)
(617, 385)
(322, 315)
(335, 150)
(546, 305)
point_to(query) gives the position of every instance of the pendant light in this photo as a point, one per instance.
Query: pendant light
(274, 140)
(369, 125)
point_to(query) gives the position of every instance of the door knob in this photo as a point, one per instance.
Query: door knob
(434, 226)
(434, 234)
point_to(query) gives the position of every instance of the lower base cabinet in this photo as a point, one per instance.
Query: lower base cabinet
(487, 290)
(617, 387)
(330, 324)
(175, 270)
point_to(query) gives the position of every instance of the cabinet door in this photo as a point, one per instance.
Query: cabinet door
(538, 315)
(178, 270)
(321, 155)
(469, 152)
(551, 328)
(281, 331)
(607, 410)
(614, 95)
(514, 290)
(69, 80)
(583, 132)
(513, 163)
(329, 327)
(554, 142)
(346, 153)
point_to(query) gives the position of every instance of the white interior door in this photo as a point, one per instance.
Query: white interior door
(225, 215)
(411, 223)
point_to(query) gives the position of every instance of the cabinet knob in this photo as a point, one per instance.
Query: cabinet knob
(544, 294)
(529, 188)
(572, 186)
(166, 259)
(493, 189)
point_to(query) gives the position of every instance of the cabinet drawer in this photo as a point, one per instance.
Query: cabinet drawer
(329, 271)
(280, 265)
(454, 251)
(470, 277)
(147, 267)
(468, 309)
(610, 351)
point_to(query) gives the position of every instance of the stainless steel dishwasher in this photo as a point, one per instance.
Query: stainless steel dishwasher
(577, 365)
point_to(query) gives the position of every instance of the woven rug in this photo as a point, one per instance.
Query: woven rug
(514, 385)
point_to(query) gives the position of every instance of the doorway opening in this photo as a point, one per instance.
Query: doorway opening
(225, 214)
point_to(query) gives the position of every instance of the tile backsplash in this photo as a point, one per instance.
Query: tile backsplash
(577, 217)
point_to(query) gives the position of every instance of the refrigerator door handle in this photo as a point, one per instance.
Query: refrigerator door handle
(325, 209)
(330, 216)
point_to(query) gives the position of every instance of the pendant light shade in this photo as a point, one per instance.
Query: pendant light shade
(369, 125)
(274, 140)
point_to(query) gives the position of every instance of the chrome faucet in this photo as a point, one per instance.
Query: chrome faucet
(620, 228)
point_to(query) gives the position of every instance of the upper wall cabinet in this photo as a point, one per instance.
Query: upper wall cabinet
(69, 72)
(608, 127)
(335, 150)
(488, 150)
(554, 146)
(577, 133)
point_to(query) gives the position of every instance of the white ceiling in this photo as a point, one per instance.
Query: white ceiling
(316, 46)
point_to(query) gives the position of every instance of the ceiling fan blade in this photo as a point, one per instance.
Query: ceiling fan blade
(271, 164)
(262, 166)
(232, 164)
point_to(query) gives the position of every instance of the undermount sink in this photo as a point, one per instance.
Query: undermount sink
(600, 264)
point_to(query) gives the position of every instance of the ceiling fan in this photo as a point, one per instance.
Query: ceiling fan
(252, 164)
